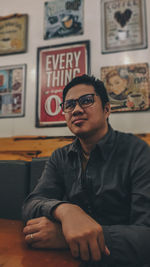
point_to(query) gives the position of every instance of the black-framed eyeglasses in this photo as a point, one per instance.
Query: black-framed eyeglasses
(84, 101)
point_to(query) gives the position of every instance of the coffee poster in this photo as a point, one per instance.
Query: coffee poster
(127, 86)
(57, 65)
(63, 18)
(13, 34)
(123, 25)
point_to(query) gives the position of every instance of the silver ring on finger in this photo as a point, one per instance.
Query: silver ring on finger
(31, 236)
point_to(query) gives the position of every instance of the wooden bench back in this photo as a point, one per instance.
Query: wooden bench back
(29, 147)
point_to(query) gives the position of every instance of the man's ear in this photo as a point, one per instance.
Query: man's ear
(107, 109)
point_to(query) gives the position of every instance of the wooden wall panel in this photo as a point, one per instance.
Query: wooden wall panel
(28, 147)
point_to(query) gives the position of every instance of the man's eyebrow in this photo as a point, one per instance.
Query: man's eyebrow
(71, 99)
(78, 97)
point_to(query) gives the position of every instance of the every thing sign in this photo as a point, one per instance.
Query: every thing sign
(58, 65)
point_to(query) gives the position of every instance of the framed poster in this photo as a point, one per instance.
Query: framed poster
(57, 65)
(127, 86)
(13, 34)
(63, 18)
(12, 91)
(123, 25)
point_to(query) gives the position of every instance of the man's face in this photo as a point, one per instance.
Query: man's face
(90, 120)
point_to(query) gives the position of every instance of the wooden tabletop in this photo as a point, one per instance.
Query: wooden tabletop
(15, 253)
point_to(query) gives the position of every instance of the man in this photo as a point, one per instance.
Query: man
(94, 194)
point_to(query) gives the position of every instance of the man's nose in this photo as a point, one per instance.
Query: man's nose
(77, 109)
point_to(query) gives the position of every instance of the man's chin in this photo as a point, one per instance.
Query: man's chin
(79, 132)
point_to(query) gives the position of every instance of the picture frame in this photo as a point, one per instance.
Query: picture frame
(123, 25)
(57, 65)
(12, 91)
(63, 18)
(13, 34)
(127, 86)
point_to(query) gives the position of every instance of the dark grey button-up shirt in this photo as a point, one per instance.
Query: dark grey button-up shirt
(114, 190)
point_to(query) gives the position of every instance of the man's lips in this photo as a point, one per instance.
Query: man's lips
(78, 121)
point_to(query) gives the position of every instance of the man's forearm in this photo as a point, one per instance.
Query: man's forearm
(61, 210)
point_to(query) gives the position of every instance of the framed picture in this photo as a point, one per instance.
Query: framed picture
(13, 34)
(127, 86)
(57, 65)
(63, 18)
(12, 91)
(123, 25)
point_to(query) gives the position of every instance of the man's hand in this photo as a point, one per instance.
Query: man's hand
(83, 234)
(43, 233)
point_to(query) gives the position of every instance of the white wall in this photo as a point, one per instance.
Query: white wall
(136, 122)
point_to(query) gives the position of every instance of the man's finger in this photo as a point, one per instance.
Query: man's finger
(107, 251)
(84, 251)
(32, 238)
(101, 242)
(74, 247)
(31, 229)
(34, 221)
(95, 250)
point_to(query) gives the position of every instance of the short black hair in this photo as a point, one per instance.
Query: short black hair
(89, 80)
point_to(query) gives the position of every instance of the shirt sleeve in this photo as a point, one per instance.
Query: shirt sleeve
(48, 193)
(129, 244)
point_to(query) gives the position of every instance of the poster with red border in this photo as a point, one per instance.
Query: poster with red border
(57, 65)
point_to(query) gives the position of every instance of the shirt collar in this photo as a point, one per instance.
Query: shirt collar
(104, 145)
(75, 146)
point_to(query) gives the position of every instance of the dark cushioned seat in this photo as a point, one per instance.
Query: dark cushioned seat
(14, 187)
(36, 169)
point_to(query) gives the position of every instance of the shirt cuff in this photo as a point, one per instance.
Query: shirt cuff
(49, 207)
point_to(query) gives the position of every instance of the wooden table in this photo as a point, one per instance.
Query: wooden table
(15, 253)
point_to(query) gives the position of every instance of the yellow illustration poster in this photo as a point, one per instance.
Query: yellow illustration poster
(13, 34)
(127, 86)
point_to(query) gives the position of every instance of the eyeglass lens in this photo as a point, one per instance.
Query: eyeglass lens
(83, 101)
